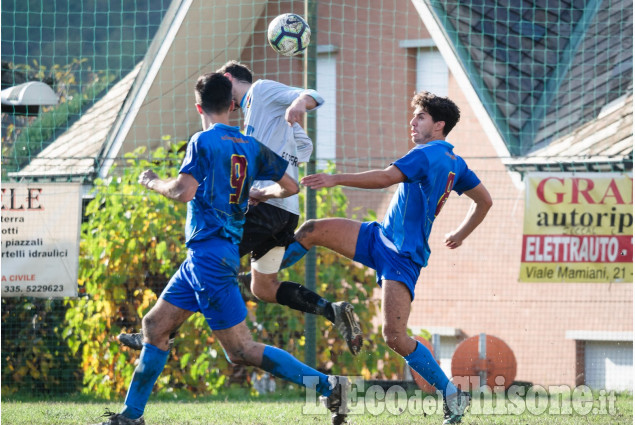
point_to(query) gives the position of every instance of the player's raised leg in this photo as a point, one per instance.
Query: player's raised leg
(337, 234)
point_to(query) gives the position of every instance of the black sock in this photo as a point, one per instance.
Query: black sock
(298, 297)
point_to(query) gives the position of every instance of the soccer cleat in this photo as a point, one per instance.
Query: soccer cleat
(337, 401)
(135, 341)
(454, 407)
(347, 324)
(119, 419)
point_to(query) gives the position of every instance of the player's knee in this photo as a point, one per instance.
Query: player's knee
(264, 291)
(149, 326)
(396, 340)
(265, 286)
(235, 357)
(305, 233)
(151, 330)
(239, 356)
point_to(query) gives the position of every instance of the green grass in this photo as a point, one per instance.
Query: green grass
(284, 408)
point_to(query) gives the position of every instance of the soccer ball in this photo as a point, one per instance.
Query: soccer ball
(289, 34)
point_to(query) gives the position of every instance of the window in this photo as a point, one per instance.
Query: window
(432, 71)
(326, 120)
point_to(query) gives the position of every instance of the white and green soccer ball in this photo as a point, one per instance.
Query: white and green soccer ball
(289, 34)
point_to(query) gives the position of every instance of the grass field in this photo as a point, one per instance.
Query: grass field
(285, 409)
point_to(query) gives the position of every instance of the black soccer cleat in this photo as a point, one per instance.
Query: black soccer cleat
(348, 325)
(337, 401)
(118, 419)
(135, 340)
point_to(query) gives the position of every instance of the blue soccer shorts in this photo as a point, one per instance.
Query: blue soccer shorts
(207, 282)
(389, 265)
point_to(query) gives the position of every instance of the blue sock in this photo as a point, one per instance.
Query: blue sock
(283, 365)
(293, 254)
(151, 364)
(422, 361)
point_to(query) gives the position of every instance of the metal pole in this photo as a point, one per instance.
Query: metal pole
(436, 346)
(310, 207)
(482, 355)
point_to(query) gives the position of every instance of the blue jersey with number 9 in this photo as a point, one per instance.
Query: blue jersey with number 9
(224, 162)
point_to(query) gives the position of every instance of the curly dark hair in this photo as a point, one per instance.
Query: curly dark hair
(439, 108)
(238, 71)
(213, 92)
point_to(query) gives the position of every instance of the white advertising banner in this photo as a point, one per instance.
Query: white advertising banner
(40, 239)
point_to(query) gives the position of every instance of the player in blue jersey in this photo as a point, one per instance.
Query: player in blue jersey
(397, 248)
(215, 180)
(272, 112)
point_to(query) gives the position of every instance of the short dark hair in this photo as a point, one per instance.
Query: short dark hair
(213, 92)
(238, 71)
(439, 108)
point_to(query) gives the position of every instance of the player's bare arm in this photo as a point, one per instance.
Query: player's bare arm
(283, 188)
(298, 108)
(374, 179)
(182, 188)
(477, 212)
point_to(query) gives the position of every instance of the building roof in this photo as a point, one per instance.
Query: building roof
(543, 69)
(604, 144)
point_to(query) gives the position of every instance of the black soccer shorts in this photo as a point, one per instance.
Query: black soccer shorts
(266, 227)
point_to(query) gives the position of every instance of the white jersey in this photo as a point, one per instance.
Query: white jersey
(264, 106)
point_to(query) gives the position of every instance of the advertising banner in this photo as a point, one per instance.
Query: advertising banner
(578, 228)
(40, 239)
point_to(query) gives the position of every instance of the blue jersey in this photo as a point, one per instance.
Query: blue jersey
(225, 163)
(432, 171)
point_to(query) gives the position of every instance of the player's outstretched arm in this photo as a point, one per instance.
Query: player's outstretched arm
(283, 188)
(374, 179)
(478, 210)
(298, 108)
(183, 188)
